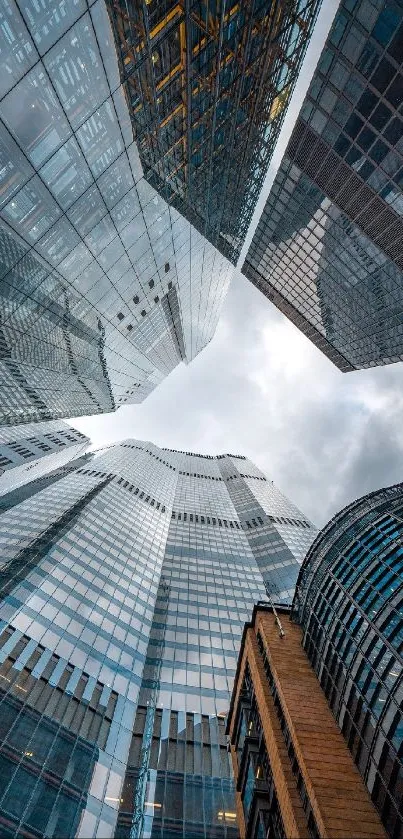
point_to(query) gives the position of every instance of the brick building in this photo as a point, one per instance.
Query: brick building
(295, 776)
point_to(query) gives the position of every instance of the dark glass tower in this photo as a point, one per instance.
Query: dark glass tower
(328, 248)
(349, 601)
(104, 288)
(208, 84)
(125, 588)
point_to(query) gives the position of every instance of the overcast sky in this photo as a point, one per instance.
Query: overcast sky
(262, 389)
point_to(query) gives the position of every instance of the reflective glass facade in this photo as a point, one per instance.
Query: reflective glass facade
(28, 452)
(105, 288)
(125, 588)
(21, 493)
(208, 85)
(328, 248)
(349, 601)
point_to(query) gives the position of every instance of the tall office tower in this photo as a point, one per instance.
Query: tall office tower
(125, 588)
(328, 248)
(21, 493)
(104, 287)
(293, 771)
(349, 602)
(30, 451)
(208, 85)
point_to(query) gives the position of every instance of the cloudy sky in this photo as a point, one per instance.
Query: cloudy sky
(262, 389)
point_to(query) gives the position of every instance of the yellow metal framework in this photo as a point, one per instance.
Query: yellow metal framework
(207, 83)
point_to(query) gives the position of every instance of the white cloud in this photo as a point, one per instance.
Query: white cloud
(262, 389)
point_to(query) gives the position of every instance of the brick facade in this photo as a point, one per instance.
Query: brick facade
(318, 789)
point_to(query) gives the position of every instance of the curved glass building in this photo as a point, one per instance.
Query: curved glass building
(349, 601)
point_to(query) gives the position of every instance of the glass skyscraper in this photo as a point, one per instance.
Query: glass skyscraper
(208, 84)
(105, 288)
(125, 588)
(349, 602)
(328, 247)
(28, 452)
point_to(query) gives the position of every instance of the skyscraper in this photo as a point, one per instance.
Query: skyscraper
(208, 84)
(105, 288)
(21, 493)
(126, 585)
(328, 247)
(349, 602)
(30, 451)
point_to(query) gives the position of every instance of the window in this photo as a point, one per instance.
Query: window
(120, 315)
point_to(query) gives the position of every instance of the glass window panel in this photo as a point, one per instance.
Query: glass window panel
(33, 114)
(154, 210)
(111, 254)
(115, 182)
(14, 167)
(17, 54)
(147, 193)
(135, 163)
(66, 811)
(75, 262)
(386, 25)
(100, 139)
(120, 268)
(28, 274)
(161, 226)
(101, 235)
(49, 20)
(353, 44)
(40, 806)
(75, 67)
(139, 249)
(67, 174)
(89, 277)
(133, 231)
(97, 291)
(102, 26)
(366, 14)
(87, 211)
(126, 209)
(19, 792)
(58, 242)
(339, 75)
(123, 115)
(32, 211)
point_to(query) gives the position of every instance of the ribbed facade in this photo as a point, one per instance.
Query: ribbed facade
(328, 247)
(126, 585)
(349, 602)
(28, 452)
(105, 288)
